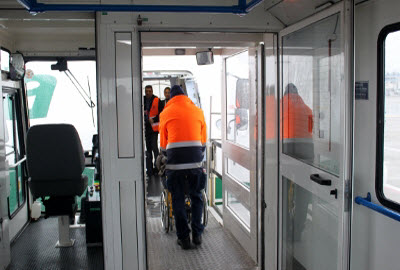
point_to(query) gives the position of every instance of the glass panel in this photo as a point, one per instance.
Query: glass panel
(10, 150)
(5, 60)
(391, 177)
(215, 126)
(310, 235)
(312, 80)
(21, 189)
(239, 209)
(218, 160)
(238, 99)
(191, 89)
(158, 87)
(238, 172)
(53, 98)
(13, 200)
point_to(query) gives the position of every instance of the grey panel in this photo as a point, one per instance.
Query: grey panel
(35, 249)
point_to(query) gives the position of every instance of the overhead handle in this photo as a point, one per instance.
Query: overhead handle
(319, 180)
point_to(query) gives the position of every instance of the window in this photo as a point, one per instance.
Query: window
(14, 151)
(388, 118)
(53, 96)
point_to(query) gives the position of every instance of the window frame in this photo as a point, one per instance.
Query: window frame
(20, 143)
(380, 117)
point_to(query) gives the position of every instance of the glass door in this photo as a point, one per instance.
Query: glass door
(239, 149)
(314, 138)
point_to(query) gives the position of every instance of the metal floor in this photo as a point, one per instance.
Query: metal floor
(35, 249)
(219, 250)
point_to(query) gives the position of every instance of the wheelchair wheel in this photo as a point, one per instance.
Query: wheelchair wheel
(170, 212)
(205, 209)
(165, 213)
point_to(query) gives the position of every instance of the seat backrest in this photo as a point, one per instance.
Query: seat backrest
(54, 152)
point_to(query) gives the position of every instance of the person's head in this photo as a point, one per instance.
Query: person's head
(148, 90)
(167, 93)
(290, 89)
(176, 90)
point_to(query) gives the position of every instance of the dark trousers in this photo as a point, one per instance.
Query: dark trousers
(192, 181)
(151, 149)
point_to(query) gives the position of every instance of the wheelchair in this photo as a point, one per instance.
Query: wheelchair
(167, 215)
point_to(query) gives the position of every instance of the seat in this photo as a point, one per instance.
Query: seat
(55, 162)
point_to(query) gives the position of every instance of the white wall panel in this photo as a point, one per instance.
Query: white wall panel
(124, 92)
(375, 238)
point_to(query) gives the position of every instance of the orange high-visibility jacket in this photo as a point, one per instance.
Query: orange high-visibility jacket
(154, 113)
(297, 117)
(183, 134)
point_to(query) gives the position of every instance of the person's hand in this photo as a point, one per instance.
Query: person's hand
(151, 121)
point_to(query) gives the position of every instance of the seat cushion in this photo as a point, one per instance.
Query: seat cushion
(58, 187)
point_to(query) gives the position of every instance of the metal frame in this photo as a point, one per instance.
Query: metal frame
(380, 117)
(246, 158)
(346, 10)
(14, 93)
(241, 8)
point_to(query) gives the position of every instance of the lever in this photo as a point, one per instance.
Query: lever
(319, 180)
(334, 193)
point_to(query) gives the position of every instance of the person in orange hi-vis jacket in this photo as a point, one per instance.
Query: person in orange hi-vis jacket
(183, 137)
(151, 112)
(297, 141)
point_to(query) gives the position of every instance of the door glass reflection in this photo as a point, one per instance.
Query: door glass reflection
(238, 99)
(312, 73)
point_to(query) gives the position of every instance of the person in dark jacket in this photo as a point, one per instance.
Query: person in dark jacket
(151, 115)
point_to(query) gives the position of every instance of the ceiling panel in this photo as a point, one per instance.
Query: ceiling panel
(292, 11)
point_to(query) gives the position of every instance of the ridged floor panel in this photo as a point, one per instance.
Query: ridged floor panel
(35, 249)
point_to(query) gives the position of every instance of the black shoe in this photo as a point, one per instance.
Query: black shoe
(197, 240)
(184, 243)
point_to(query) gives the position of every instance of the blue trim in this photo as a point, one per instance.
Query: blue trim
(383, 210)
(241, 8)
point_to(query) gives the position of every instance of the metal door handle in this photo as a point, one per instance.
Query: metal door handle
(319, 180)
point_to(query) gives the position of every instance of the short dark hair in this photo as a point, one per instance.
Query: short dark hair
(148, 86)
(167, 88)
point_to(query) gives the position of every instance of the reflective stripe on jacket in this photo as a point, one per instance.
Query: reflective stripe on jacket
(154, 113)
(183, 134)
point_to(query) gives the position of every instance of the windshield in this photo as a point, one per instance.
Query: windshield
(53, 97)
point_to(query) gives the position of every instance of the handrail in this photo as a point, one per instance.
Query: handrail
(216, 143)
(383, 210)
(18, 163)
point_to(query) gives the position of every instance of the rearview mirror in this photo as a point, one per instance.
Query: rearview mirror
(205, 58)
(61, 65)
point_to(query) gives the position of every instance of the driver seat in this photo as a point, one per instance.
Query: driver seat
(55, 162)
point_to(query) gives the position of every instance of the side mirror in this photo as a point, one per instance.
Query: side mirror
(205, 58)
(17, 66)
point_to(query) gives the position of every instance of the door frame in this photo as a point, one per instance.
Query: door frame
(346, 10)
